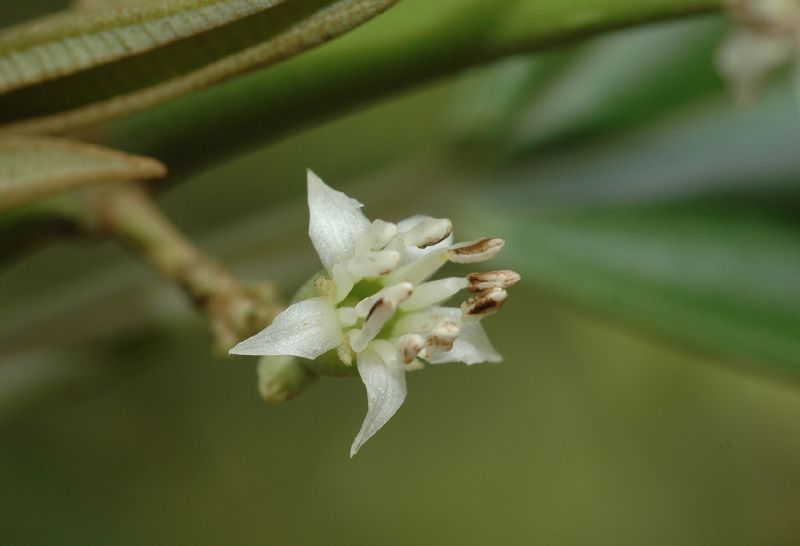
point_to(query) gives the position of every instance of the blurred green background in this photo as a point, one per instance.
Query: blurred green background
(648, 393)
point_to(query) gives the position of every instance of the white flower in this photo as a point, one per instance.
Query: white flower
(765, 38)
(375, 306)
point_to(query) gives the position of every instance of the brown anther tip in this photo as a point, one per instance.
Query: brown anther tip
(438, 238)
(411, 346)
(476, 251)
(492, 279)
(429, 232)
(485, 302)
(443, 336)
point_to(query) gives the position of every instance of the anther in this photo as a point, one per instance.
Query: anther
(475, 251)
(443, 336)
(409, 346)
(492, 279)
(429, 232)
(485, 303)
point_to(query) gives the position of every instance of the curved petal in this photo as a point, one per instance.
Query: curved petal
(385, 381)
(335, 222)
(412, 253)
(472, 346)
(306, 329)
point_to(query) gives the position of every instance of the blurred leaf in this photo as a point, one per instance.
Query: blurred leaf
(710, 148)
(417, 42)
(489, 101)
(719, 278)
(626, 79)
(34, 167)
(87, 66)
(687, 229)
(613, 82)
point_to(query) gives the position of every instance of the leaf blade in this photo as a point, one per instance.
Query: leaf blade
(33, 167)
(153, 75)
(710, 277)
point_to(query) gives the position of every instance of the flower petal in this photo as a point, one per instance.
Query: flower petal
(413, 253)
(746, 58)
(335, 222)
(385, 381)
(433, 292)
(306, 329)
(472, 346)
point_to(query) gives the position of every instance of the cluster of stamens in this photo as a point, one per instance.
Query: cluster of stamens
(394, 264)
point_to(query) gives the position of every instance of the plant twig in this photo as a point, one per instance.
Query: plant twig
(128, 213)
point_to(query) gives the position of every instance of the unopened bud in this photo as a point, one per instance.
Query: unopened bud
(282, 377)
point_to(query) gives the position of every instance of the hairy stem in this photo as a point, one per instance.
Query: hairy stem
(128, 213)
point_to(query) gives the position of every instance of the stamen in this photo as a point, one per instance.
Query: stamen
(397, 293)
(475, 251)
(421, 323)
(492, 279)
(429, 232)
(443, 336)
(377, 318)
(433, 292)
(409, 346)
(415, 365)
(373, 264)
(485, 303)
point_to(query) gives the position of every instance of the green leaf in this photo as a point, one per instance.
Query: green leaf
(417, 42)
(34, 167)
(612, 82)
(716, 278)
(86, 66)
(687, 230)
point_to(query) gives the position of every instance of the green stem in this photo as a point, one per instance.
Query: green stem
(129, 214)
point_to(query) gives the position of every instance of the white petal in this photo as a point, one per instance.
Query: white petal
(412, 253)
(420, 322)
(386, 390)
(306, 329)
(335, 222)
(746, 58)
(373, 263)
(411, 222)
(433, 292)
(472, 346)
(416, 271)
